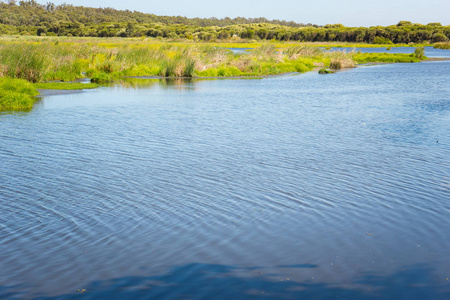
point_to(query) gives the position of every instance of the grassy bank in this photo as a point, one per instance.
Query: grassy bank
(53, 63)
(363, 58)
(16, 94)
(442, 45)
(66, 59)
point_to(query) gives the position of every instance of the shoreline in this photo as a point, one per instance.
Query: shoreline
(52, 92)
(437, 59)
(55, 92)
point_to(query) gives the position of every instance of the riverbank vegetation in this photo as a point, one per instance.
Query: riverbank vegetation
(31, 18)
(16, 94)
(67, 59)
(442, 45)
(30, 63)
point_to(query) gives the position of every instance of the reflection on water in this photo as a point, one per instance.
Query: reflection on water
(429, 51)
(252, 282)
(169, 83)
(294, 187)
(181, 84)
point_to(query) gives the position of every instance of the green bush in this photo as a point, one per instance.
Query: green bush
(381, 40)
(439, 38)
(419, 52)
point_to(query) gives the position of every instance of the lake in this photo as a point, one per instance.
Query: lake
(291, 187)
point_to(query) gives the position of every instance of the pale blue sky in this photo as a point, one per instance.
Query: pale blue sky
(321, 12)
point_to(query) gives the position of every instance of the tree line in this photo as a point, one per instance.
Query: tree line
(31, 13)
(32, 18)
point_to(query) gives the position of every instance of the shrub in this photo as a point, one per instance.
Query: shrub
(439, 37)
(335, 64)
(381, 40)
(419, 52)
(340, 63)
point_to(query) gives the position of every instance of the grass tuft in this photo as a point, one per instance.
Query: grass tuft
(419, 53)
(16, 94)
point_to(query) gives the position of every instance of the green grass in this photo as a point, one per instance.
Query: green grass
(102, 60)
(65, 85)
(39, 60)
(385, 58)
(16, 94)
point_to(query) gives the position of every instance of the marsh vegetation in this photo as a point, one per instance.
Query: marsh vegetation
(64, 59)
(49, 60)
(442, 45)
(16, 94)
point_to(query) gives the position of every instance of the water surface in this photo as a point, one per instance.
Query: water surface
(429, 51)
(297, 187)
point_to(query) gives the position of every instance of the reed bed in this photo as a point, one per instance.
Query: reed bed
(39, 59)
(47, 62)
(67, 60)
(443, 45)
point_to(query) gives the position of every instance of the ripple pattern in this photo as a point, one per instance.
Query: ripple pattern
(308, 186)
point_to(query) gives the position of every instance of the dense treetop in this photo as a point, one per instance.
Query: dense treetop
(31, 13)
(31, 18)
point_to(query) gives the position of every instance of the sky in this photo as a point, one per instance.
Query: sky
(320, 12)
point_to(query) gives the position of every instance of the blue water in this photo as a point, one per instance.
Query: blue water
(429, 51)
(239, 50)
(297, 187)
